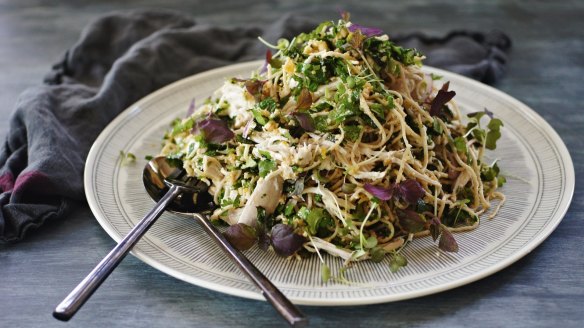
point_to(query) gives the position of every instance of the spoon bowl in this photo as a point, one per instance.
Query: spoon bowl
(160, 174)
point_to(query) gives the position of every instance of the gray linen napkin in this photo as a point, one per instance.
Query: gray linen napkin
(123, 56)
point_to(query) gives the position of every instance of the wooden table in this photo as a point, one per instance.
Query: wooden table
(545, 288)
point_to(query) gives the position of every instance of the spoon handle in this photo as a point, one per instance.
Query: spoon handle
(73, 302)
(278, 300)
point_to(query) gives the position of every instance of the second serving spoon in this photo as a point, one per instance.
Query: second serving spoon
(167, 183)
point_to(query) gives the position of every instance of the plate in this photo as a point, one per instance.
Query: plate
(531, 155)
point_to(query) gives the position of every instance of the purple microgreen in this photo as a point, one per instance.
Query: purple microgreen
(367, 31)
(489, 113)
(241, 236)
(285, 241)
(380, 192)
(263, 239)
(447, 242)
(191, 109)
(306, 121)
(304, 100)
(356, 39)
(435, 228)
(441, 99)
(345, 15)
(410, 190)
(410, 220)
(214, 131)
(254, 86)
(268, 59)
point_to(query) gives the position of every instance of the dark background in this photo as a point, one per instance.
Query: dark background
(545, 71)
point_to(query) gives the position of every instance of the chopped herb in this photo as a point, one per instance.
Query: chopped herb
(435, 77)
(265, 167)
(325, 272)
(127, 158)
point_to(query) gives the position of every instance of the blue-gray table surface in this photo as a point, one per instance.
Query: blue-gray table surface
(545, 288)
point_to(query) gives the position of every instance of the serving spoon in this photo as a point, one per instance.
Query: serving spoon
(168, 184)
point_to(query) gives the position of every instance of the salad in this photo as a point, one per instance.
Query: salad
(341, 144)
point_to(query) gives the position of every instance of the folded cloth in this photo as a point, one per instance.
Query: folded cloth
(124, 56)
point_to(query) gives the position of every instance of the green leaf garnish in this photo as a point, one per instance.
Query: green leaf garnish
(258, 117)
(325, 272)
(494, 133)
(397, 262)
(460, 144)
(265, 167)
(352, 132)
(127, 158)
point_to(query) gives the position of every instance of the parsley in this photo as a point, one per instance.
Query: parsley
(182, 126)
(352, 132)
(268, 104)
(315, 218)
(265, 167)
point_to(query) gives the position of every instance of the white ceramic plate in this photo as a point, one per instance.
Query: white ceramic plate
(540, 185)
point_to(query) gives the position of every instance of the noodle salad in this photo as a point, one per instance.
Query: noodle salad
(341, 144)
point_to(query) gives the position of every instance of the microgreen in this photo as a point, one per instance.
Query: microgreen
(447, 242)
(214, 131)
(305, 121)
(285, 241)
(410, 220)
(487, 137)
(441, 99)
(367, 31)
(257, 115)
(379, 192)
(397, 262)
